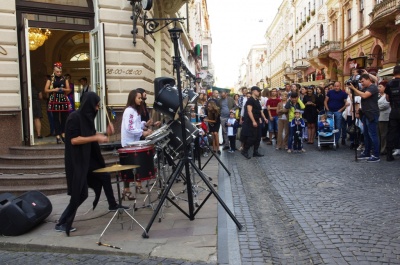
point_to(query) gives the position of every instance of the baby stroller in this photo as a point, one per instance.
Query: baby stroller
(326, 132)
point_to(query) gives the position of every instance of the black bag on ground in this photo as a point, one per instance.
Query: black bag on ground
(353, 129)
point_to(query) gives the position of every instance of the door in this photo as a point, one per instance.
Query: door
(29, 83)
(97, 73)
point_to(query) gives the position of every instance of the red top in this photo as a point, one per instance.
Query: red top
(273, 102)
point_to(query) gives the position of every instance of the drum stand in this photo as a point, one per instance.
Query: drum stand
(119, 213)
(185, 162)
(208, 147)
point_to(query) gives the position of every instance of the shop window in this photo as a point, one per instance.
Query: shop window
(82, 3)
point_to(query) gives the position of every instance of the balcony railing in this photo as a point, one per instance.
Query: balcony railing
(313, 53)
(329, 46)
(301, 64)
(384, 8)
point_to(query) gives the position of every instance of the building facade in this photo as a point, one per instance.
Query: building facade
(94, 39)
(313, 41)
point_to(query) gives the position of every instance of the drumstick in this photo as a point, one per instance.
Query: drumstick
(109, 122)
(107, 245)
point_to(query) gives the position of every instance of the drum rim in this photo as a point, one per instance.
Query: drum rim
(136, 148)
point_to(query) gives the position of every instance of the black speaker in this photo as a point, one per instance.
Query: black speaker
(160, 82)
(20, 214)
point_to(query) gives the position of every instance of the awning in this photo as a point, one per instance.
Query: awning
(386, 71)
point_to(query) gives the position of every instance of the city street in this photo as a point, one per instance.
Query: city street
(319, 207)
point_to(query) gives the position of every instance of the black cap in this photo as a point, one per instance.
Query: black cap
(256, 88)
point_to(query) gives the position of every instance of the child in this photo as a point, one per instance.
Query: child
(232, 124)
(297, 126)
(325, 127)
(203, 139)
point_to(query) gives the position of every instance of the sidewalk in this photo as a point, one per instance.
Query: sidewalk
(174, 237)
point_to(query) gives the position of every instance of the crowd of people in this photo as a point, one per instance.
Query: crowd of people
(290, 116)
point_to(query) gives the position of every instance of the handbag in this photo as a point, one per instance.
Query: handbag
(353, 129)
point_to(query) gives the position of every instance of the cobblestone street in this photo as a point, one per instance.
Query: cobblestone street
(320, 207)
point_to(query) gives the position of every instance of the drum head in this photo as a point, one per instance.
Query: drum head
(136, 149)
(140, 143)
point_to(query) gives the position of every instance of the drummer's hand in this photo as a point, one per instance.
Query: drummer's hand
(101, 138)
(110, 129)
(149, 123)
(147, 133)
(157, 123)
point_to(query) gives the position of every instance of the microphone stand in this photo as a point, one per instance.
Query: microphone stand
(186, 161)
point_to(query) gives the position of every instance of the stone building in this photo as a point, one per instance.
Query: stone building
(93, 39)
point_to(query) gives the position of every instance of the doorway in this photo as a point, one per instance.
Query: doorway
(72, 49)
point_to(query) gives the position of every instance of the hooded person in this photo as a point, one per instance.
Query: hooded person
(82, 156)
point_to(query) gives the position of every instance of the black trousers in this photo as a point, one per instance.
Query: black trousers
(393, 134)
(252, 139)
(232, 142)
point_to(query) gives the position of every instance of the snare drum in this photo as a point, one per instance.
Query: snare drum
(175, 147)
(140, 143)
(142, 156)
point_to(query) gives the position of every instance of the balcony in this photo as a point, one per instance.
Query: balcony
(384, 9)
(329, 46)
(301, 64)
(313, 53)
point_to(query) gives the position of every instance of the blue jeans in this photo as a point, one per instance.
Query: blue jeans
(273, 125)
(371, 139)
(338, 123)
(290, 139)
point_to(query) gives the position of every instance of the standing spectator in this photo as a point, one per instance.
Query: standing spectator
(297, 125)
(251, 133)
(293, 103)
(71, 94)
(264, 128)
(226, 104)
(370, 110)
(59, 104)
(348, 118)
(237, 109)
(232, 124)
(310, 113)
(320, 98)
(392, 92)
(37, 96)
(335, 103)
(283, 125)
(49, 113)
(287, 88)
(85, 86)
(214, 122)
(384, 111)
(243, 91)
(272, 106)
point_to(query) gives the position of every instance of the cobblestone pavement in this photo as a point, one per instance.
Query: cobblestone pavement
(319, 207)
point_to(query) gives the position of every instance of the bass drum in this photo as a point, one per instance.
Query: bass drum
(142, 156)
(175, 148)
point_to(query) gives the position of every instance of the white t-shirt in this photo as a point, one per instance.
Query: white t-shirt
(131, 126)
(230, 128)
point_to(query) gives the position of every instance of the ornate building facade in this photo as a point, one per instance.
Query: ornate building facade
(97, 39)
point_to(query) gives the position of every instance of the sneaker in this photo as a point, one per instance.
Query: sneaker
(62, 228)
(373, 159)
(225, 148)
(116, 207)
(363, 156)
(360, 147)
(205, 154)
(335, 131)
(303, 150)
(231, 151)
(289, 151)
(396, 152)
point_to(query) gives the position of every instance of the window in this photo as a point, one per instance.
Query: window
(205, 56)
(321, 34)
(348, 22)
(314, 5)
(305, 13)
(309, 8)
(361, 13)
(83, 56)
(309, 44)
(315, 40)
(298, 53)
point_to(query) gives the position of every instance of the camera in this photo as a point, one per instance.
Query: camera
(353, 82)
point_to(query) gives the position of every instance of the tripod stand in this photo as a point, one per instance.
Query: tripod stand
(185, 162)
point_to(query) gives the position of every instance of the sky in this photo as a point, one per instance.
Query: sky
(236, 26)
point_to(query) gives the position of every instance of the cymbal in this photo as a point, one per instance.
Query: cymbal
(115, 168)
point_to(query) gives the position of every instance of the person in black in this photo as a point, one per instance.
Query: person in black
(392, 92)
(251, 134)
(82, 157)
